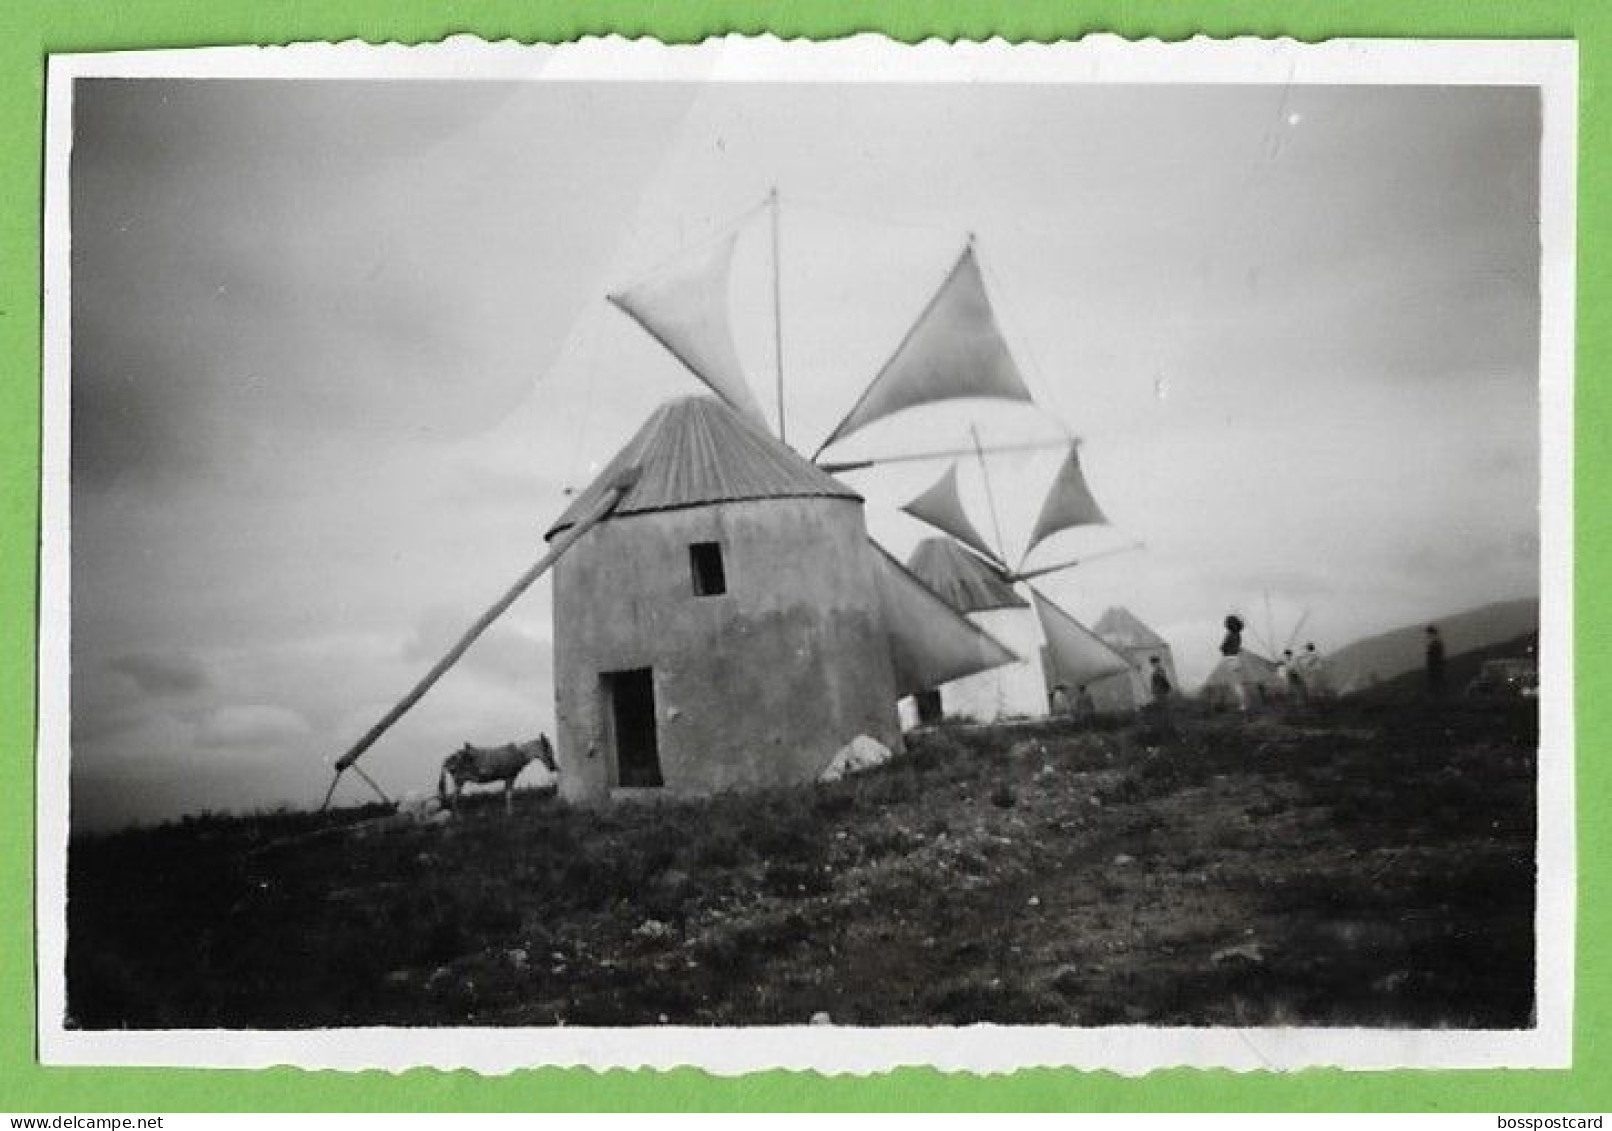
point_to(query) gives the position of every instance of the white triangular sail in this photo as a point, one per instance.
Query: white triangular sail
(1069, 503)
(930, 643)
(942, 507)
(1075, 653)
(685, 308)
(953, 350)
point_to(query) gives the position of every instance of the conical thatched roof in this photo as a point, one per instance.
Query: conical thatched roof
(696, 451)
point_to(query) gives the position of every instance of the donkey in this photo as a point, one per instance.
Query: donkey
(484, 764)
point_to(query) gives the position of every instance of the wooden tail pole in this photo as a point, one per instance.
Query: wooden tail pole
(561, 544)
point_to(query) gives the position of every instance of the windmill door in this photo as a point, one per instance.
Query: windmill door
(631, 699)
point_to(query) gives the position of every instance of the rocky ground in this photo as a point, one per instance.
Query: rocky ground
(1368, 865)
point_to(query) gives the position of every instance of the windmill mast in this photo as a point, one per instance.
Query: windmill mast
(778, 316)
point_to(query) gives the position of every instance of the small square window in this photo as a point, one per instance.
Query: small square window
(705, 558)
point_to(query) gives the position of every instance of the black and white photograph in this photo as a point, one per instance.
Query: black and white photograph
(823, 555)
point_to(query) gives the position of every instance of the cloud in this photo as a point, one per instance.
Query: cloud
(264, 269)
(167, 674)
(131, 734)
(251, 725)
(506, 653)
(128, 704)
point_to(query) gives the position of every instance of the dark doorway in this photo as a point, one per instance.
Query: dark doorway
(929, 708)
(632, 717)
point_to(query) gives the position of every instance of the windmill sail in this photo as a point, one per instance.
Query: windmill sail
(684, 307)
(1077, 655)
(961, 579)
(954, 350)
(930, 643)
(941, 507)
(1068, 504)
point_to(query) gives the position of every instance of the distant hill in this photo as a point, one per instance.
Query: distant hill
(1459, 671)
(1379, 659)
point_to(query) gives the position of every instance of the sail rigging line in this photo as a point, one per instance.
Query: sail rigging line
(729, 228)
(1259, 638)
(1298, 627)
(1004, 306)
(807, 204)
(912, 329)
(1077, 654)
(778, 312)
(941, 506)
(930, 642)
(1068, 504)
(1000, 568)
(1097, 555)
(990, 496)
(686, 306)
(664, 341)
(837, 467)
(1253, 630)
(590, 385)
(953, 350)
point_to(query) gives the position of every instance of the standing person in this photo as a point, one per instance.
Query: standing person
(1309, 667)
(1060, 701)
(1158, 682)
(1294, 675)
(1231, 647)
(1435, 662)
(1085, 705)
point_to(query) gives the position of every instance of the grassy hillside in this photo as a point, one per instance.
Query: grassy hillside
(1372, 865)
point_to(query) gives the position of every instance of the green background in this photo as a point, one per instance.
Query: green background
(30, 30)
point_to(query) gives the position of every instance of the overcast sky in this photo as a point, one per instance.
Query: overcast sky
(340, 348)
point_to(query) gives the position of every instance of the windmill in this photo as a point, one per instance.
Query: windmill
(785, 633)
